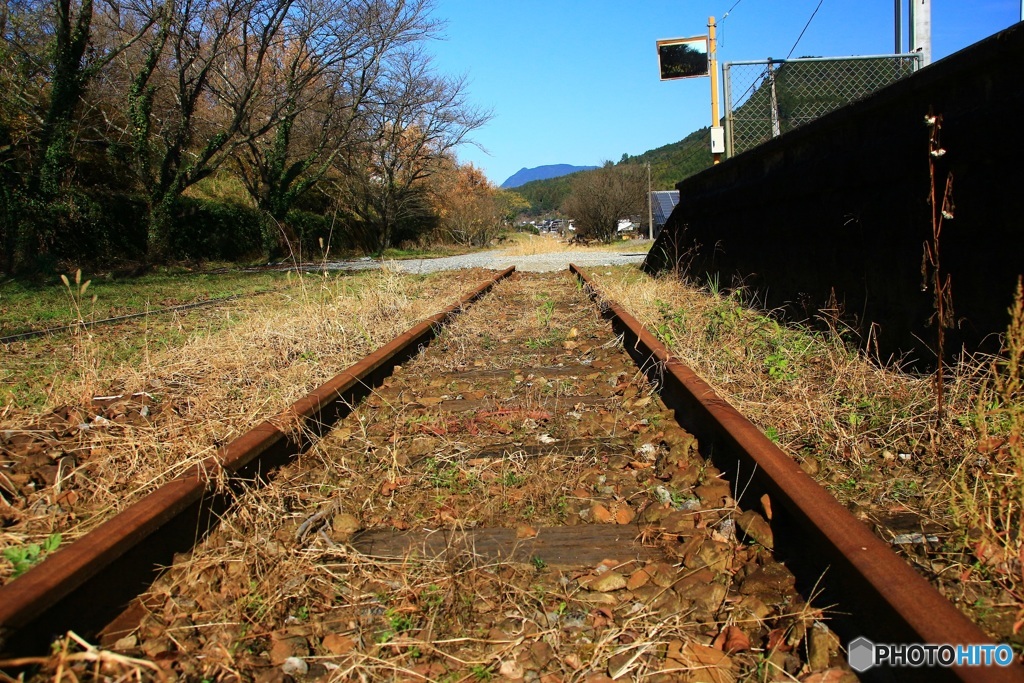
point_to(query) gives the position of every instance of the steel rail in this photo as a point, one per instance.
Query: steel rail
(86, 324)
(835, 557)
(86, 584)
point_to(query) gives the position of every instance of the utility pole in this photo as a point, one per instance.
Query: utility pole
(717, 134)
(650, 205)
(921, 29)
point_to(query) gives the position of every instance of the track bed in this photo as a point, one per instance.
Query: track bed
(515, 501)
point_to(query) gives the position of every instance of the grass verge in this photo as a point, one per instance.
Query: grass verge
(26, 306)
(93, 420)
(945, 490)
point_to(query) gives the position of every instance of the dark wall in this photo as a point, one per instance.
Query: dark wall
(840, 205)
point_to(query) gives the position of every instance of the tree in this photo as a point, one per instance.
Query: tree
(468, 206)
(192, 98)
(599, 198)
(320, 78)
(51, 52)
(511, 205)
(104, 103)
(75, 58)
(415, 119)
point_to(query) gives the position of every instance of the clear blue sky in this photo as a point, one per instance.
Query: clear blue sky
(576, 81)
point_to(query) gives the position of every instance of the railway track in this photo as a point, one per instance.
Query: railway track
(87, 324)
(541, 494)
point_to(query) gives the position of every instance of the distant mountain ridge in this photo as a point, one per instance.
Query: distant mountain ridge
(526, 175)
(669, 164)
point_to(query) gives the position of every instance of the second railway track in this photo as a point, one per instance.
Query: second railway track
(518, 500)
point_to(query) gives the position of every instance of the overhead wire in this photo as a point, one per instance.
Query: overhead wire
(731, 9)
(805, 29)
(721, 24)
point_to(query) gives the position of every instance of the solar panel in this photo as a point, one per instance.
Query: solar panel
(663, 203)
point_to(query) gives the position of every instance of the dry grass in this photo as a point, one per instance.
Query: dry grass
(222, 373)
(525, 244)
(871, 434)
(988, 498)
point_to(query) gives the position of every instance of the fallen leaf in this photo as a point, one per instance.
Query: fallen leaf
(392, 485)
(990, 444)
(338, 644)
(732, 639)
(675, 651)
(525, 531)
(777, 641)
(624, 515)
(600, 514)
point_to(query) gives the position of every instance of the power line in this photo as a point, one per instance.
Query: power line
(721, 24)
(805, 29)
(731, 9)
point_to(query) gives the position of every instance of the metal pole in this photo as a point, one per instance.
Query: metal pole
(713, 68)
(899, 26)
(776, 128)
(727, 88)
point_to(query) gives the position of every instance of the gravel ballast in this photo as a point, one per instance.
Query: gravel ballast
(497, 259)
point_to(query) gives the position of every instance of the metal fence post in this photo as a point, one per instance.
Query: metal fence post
(727, 86)
(776, 131)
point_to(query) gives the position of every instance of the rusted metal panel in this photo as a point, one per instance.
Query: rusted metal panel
(883, 597)
(86, 584)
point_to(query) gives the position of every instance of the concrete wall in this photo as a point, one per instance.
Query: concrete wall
(841, 205)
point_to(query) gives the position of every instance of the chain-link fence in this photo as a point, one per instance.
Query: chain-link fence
(765, 99)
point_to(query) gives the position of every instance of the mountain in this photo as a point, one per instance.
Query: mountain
(525, 175)
(676, 161)
(669, 164)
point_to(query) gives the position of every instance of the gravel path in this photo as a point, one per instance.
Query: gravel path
(497, 259)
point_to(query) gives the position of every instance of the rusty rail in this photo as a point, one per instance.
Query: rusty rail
(835, 557)
(87, 324)
(83, 586)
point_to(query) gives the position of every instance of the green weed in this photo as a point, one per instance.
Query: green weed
(512, 479)
(432, 596)
(396, 624)
(903, 489)
(536, 343)
(778, 367)
(24, 557)
(481, 672)
(544, 313)
(441, 476)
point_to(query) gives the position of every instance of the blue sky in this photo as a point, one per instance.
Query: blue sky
(576, 81)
